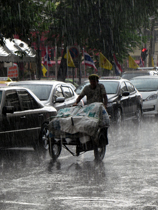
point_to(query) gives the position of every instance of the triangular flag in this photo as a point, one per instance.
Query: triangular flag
(70, 62)
(44, 70)
(104, 63)
(132, 63)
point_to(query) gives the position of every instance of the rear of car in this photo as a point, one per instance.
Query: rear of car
(23, 118)
(148, 87)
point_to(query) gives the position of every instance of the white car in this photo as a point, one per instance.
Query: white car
(53, 93)
(148, 87)
(135, 73)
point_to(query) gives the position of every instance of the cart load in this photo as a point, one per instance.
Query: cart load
(84, 128)
(86, 120)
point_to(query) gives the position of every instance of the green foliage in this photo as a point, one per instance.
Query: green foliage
(102, 25)
(22, 17)
(98, 25)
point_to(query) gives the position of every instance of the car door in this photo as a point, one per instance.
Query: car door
(11, 123)
(124, 100)
(70, 98)
(132, 99)
(32, 118)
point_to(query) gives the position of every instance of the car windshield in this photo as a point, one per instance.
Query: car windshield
(110, 86)
(145, 84)
(42, 91)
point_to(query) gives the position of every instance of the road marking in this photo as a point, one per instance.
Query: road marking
(21, 203)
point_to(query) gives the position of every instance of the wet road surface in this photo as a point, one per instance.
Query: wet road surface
(125, 179)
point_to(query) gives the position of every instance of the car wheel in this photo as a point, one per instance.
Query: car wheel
(118, 117)
(54, 148)
(100, 147)
(44, 137)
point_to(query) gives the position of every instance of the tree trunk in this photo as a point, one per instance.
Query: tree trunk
(62, 72)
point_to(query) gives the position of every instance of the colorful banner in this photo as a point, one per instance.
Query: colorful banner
(104, 63)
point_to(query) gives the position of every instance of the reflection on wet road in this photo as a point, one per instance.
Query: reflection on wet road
(125, 179)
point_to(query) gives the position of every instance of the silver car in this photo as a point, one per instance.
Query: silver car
(54, 93)
(148, 88)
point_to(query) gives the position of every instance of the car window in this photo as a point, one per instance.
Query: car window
(42, 91)
(12, 100)
(80, 87)
(58, 92)
(123, 87)
(27, 101)
(110, 86)
(130, 87)
(67, 92)
(72, 93)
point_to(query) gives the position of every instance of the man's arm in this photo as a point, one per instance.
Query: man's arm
(82, 94)
(105, 100)
(78, 100)
(104, 95)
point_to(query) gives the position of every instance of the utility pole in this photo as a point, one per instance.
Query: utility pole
(151, 47)
(56, 62)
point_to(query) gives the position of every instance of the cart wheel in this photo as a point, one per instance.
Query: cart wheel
(100, 149)
(54, 149)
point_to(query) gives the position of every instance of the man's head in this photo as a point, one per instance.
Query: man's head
(93, 79)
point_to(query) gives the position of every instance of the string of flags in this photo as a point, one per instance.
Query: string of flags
(88, 61)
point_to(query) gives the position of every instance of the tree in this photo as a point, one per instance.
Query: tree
(27, 19)
(102, 25)
(23, 16)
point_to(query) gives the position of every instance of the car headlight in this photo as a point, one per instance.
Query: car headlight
(152, 97)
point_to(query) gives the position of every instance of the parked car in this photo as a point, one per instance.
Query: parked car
(54, 93)
(23, 118)
(135, 73)
(148, 87)
(124, 100)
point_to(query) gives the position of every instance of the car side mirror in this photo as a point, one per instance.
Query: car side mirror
(59, 99)
(8, 109)
(125, 93)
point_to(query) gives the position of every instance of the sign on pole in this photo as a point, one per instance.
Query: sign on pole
(12, 71)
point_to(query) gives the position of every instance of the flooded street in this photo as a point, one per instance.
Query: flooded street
(125, 179)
